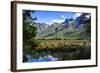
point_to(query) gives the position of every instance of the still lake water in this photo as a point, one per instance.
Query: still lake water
(41, 59)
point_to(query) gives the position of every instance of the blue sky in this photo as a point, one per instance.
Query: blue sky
(50, 16)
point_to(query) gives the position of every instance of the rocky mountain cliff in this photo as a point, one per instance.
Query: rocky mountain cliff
(70, 28)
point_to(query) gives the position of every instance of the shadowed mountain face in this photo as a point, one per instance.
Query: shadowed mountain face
(69, 29)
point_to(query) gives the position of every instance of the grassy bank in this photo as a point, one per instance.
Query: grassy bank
(63, 49)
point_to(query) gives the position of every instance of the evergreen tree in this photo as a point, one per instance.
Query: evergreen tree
(29, 32)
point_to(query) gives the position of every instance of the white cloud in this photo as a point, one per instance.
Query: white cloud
(88, 16)
(76, 15)
(57, 20)
(48, 23)
(63, 17)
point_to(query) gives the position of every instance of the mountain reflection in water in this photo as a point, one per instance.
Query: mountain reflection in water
(40, 59)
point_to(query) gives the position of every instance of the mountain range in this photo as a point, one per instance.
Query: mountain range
(69, 29)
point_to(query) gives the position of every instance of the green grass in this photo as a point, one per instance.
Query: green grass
(64, 49)
(56, 43)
